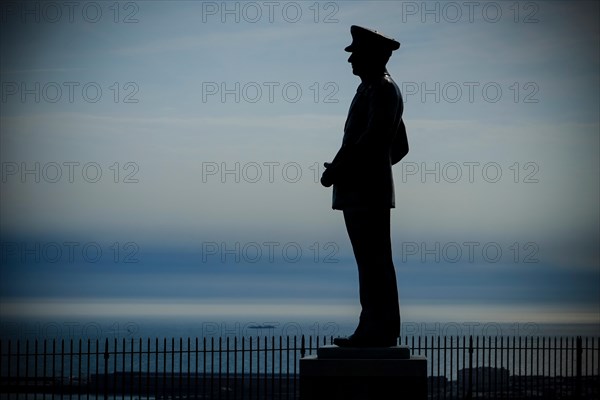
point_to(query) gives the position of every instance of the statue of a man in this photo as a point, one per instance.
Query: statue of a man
(363, 186)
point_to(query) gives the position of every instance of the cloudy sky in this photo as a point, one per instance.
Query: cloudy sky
(163, 158)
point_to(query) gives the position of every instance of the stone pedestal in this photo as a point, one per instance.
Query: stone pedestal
(363, 374)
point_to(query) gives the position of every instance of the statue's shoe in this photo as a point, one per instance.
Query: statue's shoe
(365, 341)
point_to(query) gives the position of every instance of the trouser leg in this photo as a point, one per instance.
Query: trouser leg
(369, 232)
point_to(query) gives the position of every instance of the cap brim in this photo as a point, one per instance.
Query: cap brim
(394, 47)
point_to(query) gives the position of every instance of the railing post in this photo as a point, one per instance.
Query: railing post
(470, 392)
(579, 362)
(106, 356)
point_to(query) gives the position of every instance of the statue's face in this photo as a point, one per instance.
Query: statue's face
(365, 63)
(360, 63)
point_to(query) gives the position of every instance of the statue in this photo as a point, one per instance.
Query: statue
(363, 187)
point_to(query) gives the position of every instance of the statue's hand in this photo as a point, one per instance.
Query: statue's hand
(325, 182)
(327, 177)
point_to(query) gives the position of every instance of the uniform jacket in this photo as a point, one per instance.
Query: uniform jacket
(374, 140)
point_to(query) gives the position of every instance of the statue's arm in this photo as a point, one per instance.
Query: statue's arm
(400, 144)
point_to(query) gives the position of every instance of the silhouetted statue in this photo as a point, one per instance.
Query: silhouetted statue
(363, 186)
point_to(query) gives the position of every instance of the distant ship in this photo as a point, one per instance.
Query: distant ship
(262, 327)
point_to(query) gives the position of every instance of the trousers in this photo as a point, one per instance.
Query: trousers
(370, 236)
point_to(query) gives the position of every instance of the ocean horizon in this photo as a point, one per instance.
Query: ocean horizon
(128, 328)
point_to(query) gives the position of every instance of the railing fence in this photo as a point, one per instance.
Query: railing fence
(268, 367)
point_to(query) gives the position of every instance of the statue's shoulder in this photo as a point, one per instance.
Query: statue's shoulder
(388, 81)
(385, 86)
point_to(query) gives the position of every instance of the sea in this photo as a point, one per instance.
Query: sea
(84, 328)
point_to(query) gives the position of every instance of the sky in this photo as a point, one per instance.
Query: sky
(162, 158)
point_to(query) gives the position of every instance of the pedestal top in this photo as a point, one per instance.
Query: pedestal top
(361, 353)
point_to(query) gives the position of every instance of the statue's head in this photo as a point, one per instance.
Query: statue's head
(370, 51)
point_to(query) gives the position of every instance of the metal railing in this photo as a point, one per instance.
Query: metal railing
(268, 367)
